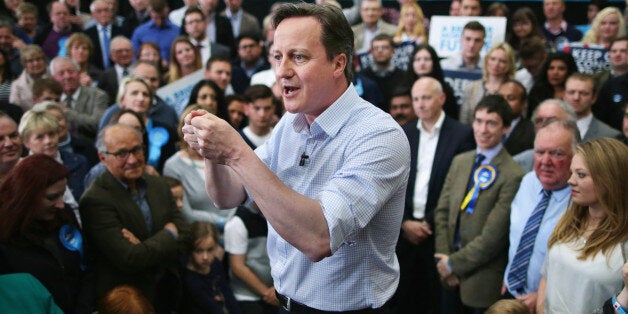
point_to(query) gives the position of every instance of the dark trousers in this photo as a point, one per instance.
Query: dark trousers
(382, 310)
(452, 304)
(418, 291)
(257, 307)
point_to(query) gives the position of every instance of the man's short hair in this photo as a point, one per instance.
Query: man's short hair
(157, 5)
(172, 182)
(401, 90)
(59, 58)
(568, 125)
(584, 77)
(26, 8)
(101, 146)
(47, 84)
(217, 58)
(532, 48)
(475, 26)
(524, 94)
(337, 36)
(497, 104)
(236, 97)
(258, 91)
(255, 36)
(567, 108)
(7, 25)
(382, 37)
(193, 10)
(621, 38)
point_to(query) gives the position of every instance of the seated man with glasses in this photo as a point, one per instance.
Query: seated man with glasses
(130, 219)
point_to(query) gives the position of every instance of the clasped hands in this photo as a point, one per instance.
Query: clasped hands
(445, 273)
(212, 137)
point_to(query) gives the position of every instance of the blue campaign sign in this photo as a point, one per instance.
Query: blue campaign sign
(589, 58)
(458, 80)
(401, 58)
(446, 31)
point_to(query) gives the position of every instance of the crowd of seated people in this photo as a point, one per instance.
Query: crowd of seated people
(517, 179)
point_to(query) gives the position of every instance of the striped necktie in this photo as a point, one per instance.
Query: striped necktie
(519, 268)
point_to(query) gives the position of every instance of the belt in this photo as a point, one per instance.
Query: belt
(293, 306)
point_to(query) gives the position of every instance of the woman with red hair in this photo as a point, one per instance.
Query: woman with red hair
(39, 234)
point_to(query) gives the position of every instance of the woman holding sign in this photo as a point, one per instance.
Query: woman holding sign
(499, 66)
(39, 233)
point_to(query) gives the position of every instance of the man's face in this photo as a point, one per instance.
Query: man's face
(625, 123)
(249, 50)
(401, 109)
(472, 42)
(149, 74)
(618, 55)
(580, 95)
(307, 77)
(236, 113)
(6, 39)
(158, 17)
(454, 8)
(102, 13)
(470, 8)
(382, 51)
(122, 52)
(121, 140)
(553, 9)
(67, 74)
(10, 143)
(546, 112)
(427, 101)
(513, 93)
(260, 113)
(233, 5)
(220, 73)
(371, 12)
(552, 156)
(60, 16)
(139, 5)
(488, 129)
(28, 21)
(195, 25)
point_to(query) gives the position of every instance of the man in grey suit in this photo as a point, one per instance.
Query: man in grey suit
(84, 105)
(580, 93)
(121, 52)
(130, 218)
(242, 22)
(372, 24)
(472, 213)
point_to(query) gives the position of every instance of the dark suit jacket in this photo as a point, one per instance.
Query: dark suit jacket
(106, 208)
(521, 138)
(481, 261)
(131, 22)
(239, 80)
(96, 56)
(224, 33)
(108, 82)
(454, 139)
(248, 24)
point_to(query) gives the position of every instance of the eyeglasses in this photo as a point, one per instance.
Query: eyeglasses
(123, 154)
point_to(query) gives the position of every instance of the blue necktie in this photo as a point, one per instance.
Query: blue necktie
(105, 48)
(476, 163)
(519, 268)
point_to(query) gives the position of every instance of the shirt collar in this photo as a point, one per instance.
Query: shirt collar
(490, 153)
(327, 121)
(437, 125)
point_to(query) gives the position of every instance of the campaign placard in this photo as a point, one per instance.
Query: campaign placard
(177, 93)
(589, 58)
(446, 31)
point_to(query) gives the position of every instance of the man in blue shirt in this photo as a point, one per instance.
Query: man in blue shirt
(553, 148)
(330, 180)
(158, 30)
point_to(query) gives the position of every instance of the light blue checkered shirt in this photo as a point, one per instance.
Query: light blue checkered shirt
(358, 165)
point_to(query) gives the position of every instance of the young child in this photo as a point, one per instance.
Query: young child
(205, 286)
(176, 187)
